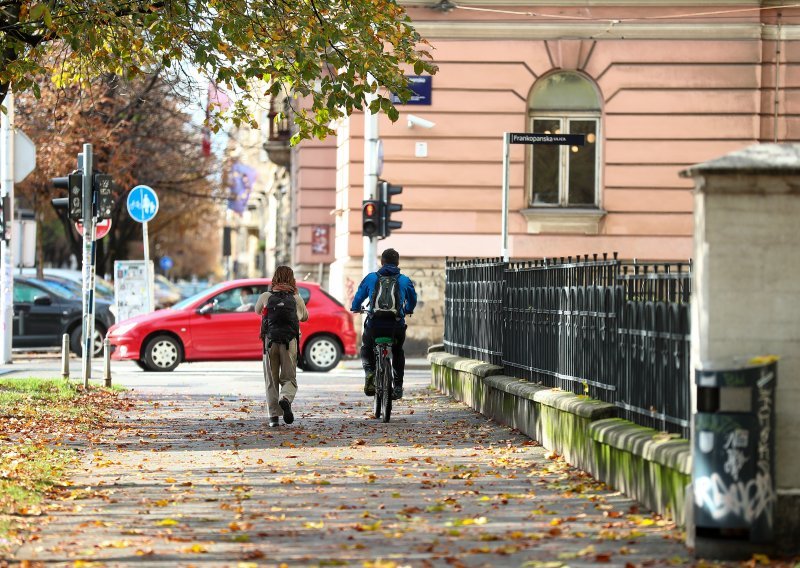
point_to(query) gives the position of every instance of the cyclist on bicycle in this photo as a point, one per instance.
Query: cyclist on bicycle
(391, 297)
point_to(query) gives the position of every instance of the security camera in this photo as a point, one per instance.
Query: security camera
(415, 120)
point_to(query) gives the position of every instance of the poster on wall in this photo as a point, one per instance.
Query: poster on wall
(133, 288)
(320, 239)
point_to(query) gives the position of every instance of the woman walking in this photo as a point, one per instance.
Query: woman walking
(283, 309)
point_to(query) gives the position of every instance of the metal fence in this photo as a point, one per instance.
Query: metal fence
(613, 330)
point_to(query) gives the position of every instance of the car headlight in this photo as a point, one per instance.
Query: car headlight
(123, 329)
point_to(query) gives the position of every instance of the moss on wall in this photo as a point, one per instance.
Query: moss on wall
(628, 457)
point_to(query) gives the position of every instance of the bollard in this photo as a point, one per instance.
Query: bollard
(65, 357)
(106, 362)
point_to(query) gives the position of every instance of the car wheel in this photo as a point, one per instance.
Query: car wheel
(140, 364)
(162, 353)
(97, 342)
(322, 353)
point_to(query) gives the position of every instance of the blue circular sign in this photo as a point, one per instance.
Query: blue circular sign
(142, 203)
(165, 263)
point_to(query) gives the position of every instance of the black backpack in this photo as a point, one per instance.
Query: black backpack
(385, 299)
(279, 323)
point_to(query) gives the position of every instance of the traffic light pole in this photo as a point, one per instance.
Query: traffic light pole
(7, 194)
(87, 326)
(370, 176)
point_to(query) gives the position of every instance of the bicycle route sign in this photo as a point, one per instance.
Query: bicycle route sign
(142, 203)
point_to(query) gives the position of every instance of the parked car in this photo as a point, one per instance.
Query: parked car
(189, 289)
(166, 293)
(45, 310)
(103, 288)
(208, 327)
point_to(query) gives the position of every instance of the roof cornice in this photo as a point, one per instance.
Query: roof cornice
(601, 30)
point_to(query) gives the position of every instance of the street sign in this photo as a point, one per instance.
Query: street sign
(24, 156)
(165, 263)
(102, 228)
(142, 203)
(421, 90)
(539, 138)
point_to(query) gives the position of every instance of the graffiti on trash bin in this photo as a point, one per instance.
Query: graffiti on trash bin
(747, 499)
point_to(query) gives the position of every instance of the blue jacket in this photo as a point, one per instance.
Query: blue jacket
(408, 296)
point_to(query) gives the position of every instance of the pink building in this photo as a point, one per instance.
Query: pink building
(654, 85)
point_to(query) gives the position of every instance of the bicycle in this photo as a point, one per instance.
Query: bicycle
(384, 379)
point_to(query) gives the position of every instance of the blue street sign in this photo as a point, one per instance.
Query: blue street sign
(142, 203)
(421, 88)
(165, 263)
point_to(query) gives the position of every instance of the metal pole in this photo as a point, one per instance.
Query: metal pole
(90, 335)
(65, 356)
(88, 230)
(148, 289)
(7, 196)
(106, 362)
(370, 174)
(504, 212)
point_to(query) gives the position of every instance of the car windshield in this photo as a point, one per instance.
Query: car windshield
(55, 288)
(104, 287)
(191, 299)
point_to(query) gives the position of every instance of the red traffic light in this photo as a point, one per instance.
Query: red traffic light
(370, 218)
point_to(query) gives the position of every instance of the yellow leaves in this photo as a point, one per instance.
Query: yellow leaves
(759, 558)
(314, 525)
(167, 523)
(764, 359)
(170, 480)
(85, 564)
(379, 563)
(195, 549)
(115, 544)
(468, 522)
(371, 527)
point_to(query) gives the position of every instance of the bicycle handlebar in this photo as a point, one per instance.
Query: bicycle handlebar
(366, 311)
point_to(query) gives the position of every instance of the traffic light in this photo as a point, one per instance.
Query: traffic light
(385, 192)
(103, 197)
(371, 218)
(73, 203)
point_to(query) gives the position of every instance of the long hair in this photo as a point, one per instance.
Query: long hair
(284, 278)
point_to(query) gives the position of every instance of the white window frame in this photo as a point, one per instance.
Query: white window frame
(563, 178)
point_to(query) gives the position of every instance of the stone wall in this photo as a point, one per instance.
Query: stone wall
(643, 463)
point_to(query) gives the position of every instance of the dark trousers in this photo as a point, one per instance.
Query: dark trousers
(398, 355)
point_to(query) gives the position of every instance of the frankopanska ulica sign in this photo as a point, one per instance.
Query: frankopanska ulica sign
(533, 138)
(556, 139)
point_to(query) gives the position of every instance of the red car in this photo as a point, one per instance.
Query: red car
(218, 325)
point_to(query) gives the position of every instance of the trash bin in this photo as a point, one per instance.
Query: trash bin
(733, 453)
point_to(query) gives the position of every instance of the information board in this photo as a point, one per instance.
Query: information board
(133, 288)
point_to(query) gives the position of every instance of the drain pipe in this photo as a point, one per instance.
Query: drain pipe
(777, 77)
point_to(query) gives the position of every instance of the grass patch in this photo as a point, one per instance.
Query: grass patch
(36, 417)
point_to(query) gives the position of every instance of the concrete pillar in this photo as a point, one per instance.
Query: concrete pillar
(746, 291)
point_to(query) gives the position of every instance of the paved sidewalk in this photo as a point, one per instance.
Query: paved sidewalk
(198, 480)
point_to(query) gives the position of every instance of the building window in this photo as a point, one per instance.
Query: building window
(565, 176)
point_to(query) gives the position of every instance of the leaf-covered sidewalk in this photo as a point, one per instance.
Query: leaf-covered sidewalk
(204, 481)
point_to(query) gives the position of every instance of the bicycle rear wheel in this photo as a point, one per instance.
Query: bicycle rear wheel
(386, 402)
(376, 404)
(376, 401)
